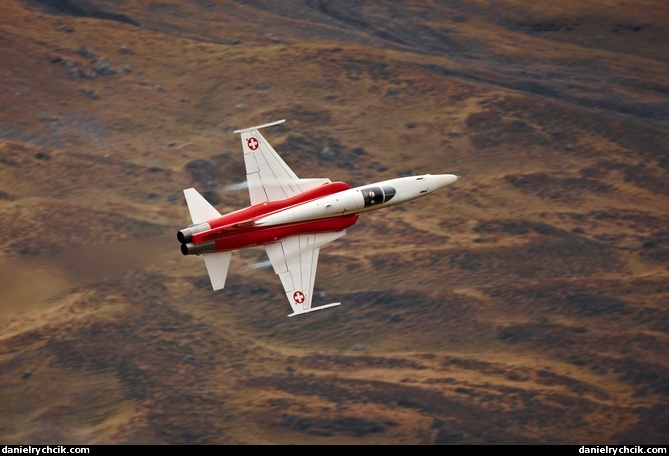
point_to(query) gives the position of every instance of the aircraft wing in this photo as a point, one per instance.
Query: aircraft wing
(268, 176)
(294, 260)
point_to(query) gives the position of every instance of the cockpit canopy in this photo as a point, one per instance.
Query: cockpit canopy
(377, 195)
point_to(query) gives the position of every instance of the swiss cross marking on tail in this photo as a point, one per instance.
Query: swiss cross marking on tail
(252, 143)
(299, 297)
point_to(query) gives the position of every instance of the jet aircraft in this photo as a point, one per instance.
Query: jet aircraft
(291, 217)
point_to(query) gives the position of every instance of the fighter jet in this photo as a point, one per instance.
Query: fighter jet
(291, 217)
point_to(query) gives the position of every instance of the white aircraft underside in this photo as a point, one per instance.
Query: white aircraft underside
(294, 256)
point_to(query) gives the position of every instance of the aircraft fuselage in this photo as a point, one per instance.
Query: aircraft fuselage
(331, 207)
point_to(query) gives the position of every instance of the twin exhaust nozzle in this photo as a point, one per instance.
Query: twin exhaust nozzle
(198, 249)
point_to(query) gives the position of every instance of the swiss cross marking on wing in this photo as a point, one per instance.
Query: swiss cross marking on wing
(252, 143)
(299, 297)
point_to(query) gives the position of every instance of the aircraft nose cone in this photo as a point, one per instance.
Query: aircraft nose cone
(445, 179)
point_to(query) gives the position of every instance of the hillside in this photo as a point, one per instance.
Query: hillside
(525, 304)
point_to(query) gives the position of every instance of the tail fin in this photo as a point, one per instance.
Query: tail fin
(201, 212)
(199, 208)
(217, 267)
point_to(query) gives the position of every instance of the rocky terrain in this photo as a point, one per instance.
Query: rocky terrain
(525, 304)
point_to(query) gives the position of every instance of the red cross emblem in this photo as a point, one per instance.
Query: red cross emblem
(252, 143)
(299, 297)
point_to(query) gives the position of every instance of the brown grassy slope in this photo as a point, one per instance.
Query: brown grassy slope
(525, 304)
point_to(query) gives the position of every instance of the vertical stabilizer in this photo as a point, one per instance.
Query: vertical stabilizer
(217, 267)
(199, 208)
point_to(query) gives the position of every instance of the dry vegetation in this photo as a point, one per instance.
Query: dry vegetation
(525, 304)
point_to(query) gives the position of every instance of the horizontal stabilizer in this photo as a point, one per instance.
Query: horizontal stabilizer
(199, 208)
(217, 267)
(313, 309)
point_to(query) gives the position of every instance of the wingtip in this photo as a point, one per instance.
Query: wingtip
(258, 127)
(313, 309)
